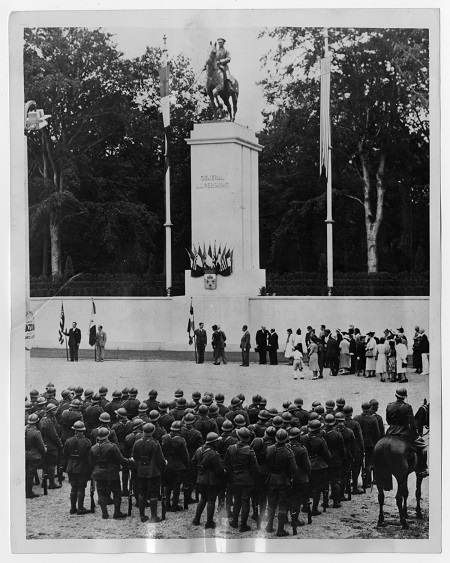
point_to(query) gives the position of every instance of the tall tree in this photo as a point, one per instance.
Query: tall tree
(379, 102)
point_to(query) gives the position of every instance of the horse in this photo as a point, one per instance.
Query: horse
(392, 456)
(218, 88)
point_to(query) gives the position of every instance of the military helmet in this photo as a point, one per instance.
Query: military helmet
(190, 405)
(79, 426)
(51, 391)
(366, 407)
(72, 388)
(189, 418)
(34, 393)
(181, 403)
(374, 402)
(33, 419)
(263, 415)
(270, 432)
(298, 401)
(243, 434)
(154, 415)
(286, 404)
(401, 393)
(102, 434)
(314, 425)
(104, 417)
(76, 403)
(49, 385)
(41, 401)
(286, 416)
(122, 413)
(241, 396)
(319, 410)
(96, 398)
(196, 395)
(50, 407)
(277, 421)
(103, 390)
(347, 409)
(339, 416)
(148, 428)
(28, 405)
(203, 410)
(176, 426)
(329, 420)
(281, 436)
(78, 390)
(313, 416)
(65, 393)
(219, 398)
(294, 432)
(116, 394)
(272, 412)
(133, 392)
(163, 406)
(340, 402)
(212, 437)
(213, 409)
(235, 401)
(256, 399)
(137, 422)
(227, 425)
(263, 402)
(88, 392)
(142, 407)
(330, 404)
(125, 391)
(153, 393)
(179, 393)
(239, 420)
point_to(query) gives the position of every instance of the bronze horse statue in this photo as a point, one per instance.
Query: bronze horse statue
(218, 88)
(392, 456)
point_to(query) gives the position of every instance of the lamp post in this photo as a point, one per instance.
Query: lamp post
(33, 121)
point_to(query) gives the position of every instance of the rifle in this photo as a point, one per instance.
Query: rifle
(363, 474)
(44, 477)
(92, 495)
(59, 469)
(130, 498)
(349, 485)
(163, 499)
(325, 496)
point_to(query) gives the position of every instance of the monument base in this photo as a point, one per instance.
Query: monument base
(243, 282)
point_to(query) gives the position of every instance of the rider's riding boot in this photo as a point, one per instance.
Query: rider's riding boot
(422, 467)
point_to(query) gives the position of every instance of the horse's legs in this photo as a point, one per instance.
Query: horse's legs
(234, 98)
(227, 104)
(401, 498)
(419, 480)
(381, 503)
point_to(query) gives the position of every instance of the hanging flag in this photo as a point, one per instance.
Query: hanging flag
(191, 326)
(92, 327)
(164, 75)
(325, 127)
(62, 320)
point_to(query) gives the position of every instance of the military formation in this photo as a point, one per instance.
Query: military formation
(245, 464)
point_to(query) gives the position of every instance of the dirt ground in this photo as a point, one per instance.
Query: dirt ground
(47, 517)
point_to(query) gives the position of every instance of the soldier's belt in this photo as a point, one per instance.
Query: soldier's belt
(74, 456)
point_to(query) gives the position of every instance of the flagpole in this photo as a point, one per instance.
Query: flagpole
(168, 223)
(193, 328)
(329, 220)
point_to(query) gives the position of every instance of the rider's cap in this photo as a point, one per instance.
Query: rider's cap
(221, 39)
(401, 393)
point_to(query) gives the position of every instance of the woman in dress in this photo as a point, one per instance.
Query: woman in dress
(391, 361)
(313, 349)
(289, 348)
(402, 358)
(380, 356)
(370, 355)
(344, 356)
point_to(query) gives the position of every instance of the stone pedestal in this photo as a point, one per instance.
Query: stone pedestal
(224, 190)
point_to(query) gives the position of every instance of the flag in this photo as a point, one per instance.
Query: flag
(61, 324)
(92, 327)
(164, 75)
(325, 128)
(191, 326)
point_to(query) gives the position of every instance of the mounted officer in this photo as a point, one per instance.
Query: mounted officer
(223, 58)
(400, 417)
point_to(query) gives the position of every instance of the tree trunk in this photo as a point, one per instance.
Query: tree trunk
(55, 245)
(45, 252)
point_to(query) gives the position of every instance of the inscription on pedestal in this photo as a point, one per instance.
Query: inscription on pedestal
(212, 181)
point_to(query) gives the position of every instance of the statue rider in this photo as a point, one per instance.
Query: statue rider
(400, 417)
(223, 58)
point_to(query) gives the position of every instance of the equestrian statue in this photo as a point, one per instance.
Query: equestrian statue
(220, 85)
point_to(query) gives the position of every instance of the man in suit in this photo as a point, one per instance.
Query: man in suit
(201, 340)
(273, 347)
(74, 335)
(262, 339)
(100, 341)
(332, 353)
(245, 346)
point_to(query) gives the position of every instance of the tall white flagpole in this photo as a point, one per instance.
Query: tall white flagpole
(168, 223)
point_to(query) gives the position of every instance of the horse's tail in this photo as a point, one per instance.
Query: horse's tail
(382, 456)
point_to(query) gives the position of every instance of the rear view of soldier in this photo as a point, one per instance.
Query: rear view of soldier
(76, 456)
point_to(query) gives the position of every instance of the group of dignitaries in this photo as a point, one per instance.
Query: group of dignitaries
(237, 459)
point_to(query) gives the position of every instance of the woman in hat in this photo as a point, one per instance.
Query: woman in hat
(344, 356)
(391, 361)
(380, 356)
(402, 359)
(313, 350)
(289, 348)
(370, 355)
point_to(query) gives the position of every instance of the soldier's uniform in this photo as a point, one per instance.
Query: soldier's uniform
(122, 428)
(226, 492)
(177, 413)
(92, 414)
(282, 468)
(216, 417)
(240, 463)
(48, 428)
(175, 452)
(34, 453)
(113, 406)
(88, 394)
(105, 422)
(151, 402)
(105, 460)
(63, 405)
(103, 400)
(253, 409)
(132, 404)
(76, 457)
(370, 432)
(359, 454)
(209, 472)
(166, 420)
(319, 457)
(349, 454)
(150, 465)
(235, 409)
(130, 440)
(159, 432)
(194, 441)
(260, 427)
(400, 417)
(300, 479)
(204, 424)
(219, 402)
(335, 443)
(178, 393)
(68, 419)
(259, 446)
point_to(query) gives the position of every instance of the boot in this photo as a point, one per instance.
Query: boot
(51, 479)
(244, 527)
(142, 504)
(270, 517)
(315, 507)
(29, 487)
(210, 515)
(188, 494)
(117, 513)
(73, 503)
(153, 512)
(36, 478)
(125, 480)
(81, 510)
(281, 532)
(422, 467)
(104, 509)
(176, 495)
(198, 511)
(296, 521)
(168, 493)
